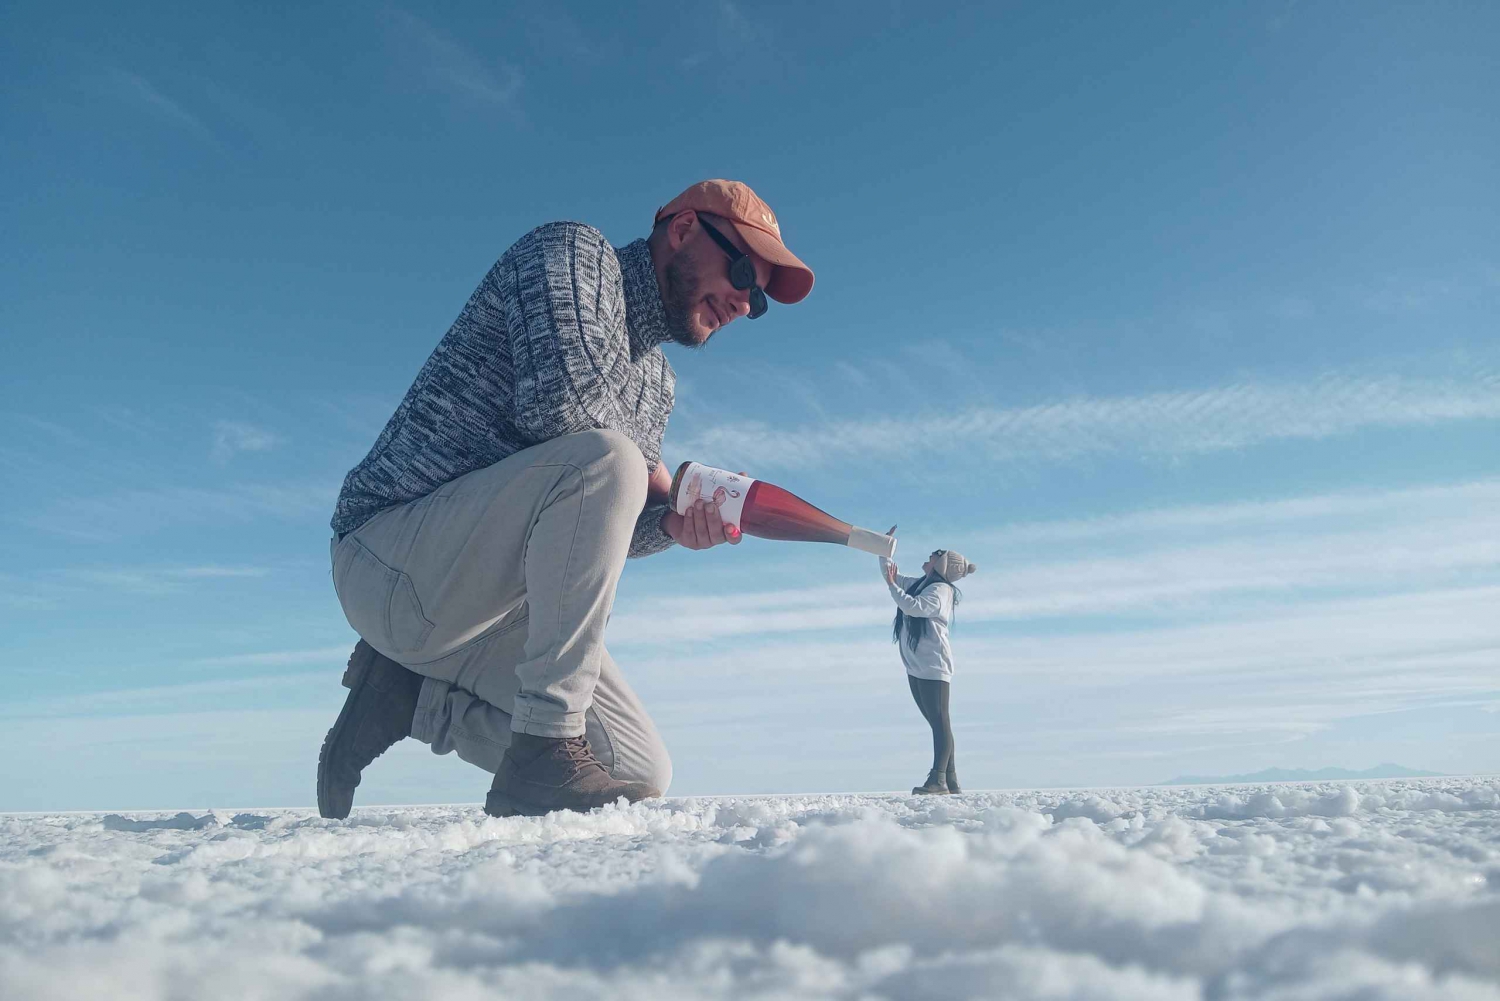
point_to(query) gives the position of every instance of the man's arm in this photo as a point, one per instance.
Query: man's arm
(650, 537)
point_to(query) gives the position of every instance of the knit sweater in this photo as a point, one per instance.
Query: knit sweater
(563, 335)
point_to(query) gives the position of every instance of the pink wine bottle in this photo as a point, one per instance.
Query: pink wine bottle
(765, 510)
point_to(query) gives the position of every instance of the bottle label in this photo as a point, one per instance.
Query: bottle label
(718, 487)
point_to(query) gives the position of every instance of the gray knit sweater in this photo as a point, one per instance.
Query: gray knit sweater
(563, 335)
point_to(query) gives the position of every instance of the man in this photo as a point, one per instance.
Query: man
(477, 547)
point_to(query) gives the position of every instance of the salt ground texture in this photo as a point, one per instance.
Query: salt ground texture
(1333, 890)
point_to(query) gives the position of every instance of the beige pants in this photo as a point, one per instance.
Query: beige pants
(497, 588)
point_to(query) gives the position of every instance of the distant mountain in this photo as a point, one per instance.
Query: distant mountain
(1386, 771)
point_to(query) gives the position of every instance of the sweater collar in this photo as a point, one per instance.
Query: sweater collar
(645, 317)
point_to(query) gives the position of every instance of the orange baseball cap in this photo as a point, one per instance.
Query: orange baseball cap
(754, 221)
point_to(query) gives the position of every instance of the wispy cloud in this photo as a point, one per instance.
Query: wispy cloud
(207, 695)
(115, 514)
(50, 429)
(451, 67)
(736, 25)
(735, 37)
(232, 437)
(850, 373)
(155, 580)
(130, 421)
(281, 658)
(1224, 561)
(1127, 638)
(555, 31)
(141, 93)
(1291, 670)
(1097, 698)
(1431, 504)
(25, 595)
(1284, 618)
(73, 587)
(1410, 293)
(1162, 425)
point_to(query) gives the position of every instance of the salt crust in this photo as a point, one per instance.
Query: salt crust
(1364, 890)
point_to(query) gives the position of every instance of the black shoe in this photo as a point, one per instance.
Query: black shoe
(935, 785)
(542, 774)
(952, 780)
(377, 714)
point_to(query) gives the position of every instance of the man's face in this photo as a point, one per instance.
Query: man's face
(699, 298)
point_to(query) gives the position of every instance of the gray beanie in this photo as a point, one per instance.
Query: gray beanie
(952, 566)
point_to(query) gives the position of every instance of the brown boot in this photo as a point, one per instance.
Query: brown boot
(377, 713)
(542, 774)
(936, 785)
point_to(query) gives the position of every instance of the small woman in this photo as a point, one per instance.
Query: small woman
(924, 611)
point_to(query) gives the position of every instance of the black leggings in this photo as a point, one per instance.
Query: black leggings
(932, 698)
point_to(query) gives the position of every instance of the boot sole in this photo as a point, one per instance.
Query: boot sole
(354, 675)
(499, 804)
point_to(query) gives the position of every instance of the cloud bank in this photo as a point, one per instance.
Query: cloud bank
(1154, 425)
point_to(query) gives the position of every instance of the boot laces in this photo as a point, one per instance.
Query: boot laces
(580, 755)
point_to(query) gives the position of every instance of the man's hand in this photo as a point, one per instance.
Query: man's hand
(700, 528)
(890, 573)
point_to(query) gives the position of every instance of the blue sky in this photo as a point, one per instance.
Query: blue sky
(1180, 320)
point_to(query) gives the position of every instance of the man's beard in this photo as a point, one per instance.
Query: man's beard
(680, 296)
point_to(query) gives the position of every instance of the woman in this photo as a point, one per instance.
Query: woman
(924, 611)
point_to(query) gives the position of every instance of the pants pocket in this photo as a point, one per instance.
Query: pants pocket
(380, 602)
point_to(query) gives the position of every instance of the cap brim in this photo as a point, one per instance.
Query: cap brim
(791, 280)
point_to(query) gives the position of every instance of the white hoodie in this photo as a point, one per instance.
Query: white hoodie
(933, 657)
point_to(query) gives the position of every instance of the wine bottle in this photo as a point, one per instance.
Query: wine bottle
(769, 512)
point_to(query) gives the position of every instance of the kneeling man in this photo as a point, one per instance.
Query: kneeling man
(478, 545)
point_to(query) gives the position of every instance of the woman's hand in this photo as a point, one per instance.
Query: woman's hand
(890, 565)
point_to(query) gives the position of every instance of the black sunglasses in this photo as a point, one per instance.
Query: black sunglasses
(741, 271)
